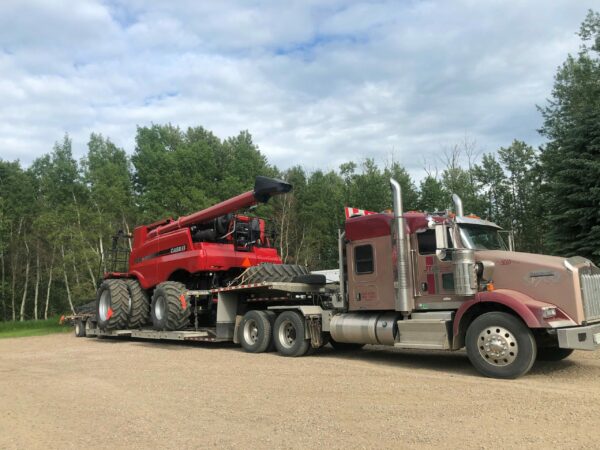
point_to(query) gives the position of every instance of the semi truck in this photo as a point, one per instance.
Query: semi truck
(412, 280)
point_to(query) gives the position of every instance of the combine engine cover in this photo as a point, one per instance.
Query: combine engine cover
(211, 241)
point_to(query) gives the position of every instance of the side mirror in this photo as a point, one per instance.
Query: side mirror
(441, 240)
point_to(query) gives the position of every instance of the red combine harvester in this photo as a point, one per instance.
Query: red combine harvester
(202, 251)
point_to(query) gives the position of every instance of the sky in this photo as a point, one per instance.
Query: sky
(316, 83)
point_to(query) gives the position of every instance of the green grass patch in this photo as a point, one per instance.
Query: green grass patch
(32, 328)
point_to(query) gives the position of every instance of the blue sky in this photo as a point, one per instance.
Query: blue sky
(316, 83)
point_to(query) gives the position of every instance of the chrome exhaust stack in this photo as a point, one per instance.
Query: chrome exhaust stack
(458, 205)
(404, 300)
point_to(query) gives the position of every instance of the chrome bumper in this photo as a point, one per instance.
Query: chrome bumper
(580, 338)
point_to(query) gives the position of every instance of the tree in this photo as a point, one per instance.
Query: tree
(571, 158)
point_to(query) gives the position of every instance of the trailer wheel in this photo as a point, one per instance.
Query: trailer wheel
(255, 331)
(112, 304)
(288, 334)
(79, 328)
(553, 353)
(170, 309)
(272, 316)
(89, 325)
(500, 345)
(139, 310)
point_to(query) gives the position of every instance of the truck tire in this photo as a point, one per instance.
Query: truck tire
(112, 304)
(272, 316)
(345, 346)
(170, 310)
(553, 353)
(79, 328)
(500, 345)
(288, 334)
(255, 332)
(139, 311)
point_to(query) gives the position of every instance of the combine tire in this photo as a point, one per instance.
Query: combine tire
(500, 345)
(79, 329)
(288, 334)
(112, 305)
(255, 331)
(273, 273)
(139, 310)
(170, 310)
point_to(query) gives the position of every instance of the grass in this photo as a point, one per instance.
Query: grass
(32, 328)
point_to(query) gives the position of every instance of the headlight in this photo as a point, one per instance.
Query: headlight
(548, 312)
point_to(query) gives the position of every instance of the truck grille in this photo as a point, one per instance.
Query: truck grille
(590, 286)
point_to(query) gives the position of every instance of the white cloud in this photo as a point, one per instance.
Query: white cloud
(316, 83)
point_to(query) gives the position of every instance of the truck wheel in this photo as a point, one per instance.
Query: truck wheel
(112, 304)
(500, 345)
(345, 346)
(288, 334)
(139, 310)
(255, 331)
(553, 353)
(170, 309)
(272, 316)
(79, 328)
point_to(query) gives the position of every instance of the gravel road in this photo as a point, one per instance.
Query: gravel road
(59, 391)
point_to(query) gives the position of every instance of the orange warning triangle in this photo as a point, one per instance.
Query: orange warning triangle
(246, 263)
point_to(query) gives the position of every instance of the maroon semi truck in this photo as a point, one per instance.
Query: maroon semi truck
(409, 280)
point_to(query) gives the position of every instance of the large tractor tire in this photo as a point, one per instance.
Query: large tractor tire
(112, 305)
(273, 273)
(289, 334)
(139, 310)
(255, 331)
(500, 345)
(170, 310)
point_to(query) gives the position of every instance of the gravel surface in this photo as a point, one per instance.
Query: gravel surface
(60, 391)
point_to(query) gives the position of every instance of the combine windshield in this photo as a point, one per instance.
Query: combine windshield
(479, 237)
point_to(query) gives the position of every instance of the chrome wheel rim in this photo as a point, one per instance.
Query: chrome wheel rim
(104, 305)
(497, 346)
(287, 334)
(251, 331)
(159, 308)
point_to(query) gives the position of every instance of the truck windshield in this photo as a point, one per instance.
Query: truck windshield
(479, 237)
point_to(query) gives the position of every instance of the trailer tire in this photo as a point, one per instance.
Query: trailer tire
(553, 353)
(255, 331)
(139, 311)
(272, 317)
(499, 345)
(89, 325)
(289, 334)
(112, 304)
(79, 328)
(345, 346)
(170, 310)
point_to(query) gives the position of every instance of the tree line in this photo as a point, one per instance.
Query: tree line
(58, 215)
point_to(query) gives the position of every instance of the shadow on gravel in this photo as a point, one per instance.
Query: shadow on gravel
(450, 363)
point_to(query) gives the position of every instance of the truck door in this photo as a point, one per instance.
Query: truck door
(435, 277)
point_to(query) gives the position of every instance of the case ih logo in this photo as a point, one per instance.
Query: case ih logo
(168, 251)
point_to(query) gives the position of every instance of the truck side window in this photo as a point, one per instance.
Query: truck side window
(426, 242)
(363, 259)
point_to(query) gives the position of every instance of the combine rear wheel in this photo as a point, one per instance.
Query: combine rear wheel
(273, 273)
(139, 309)
(112, 305)
(255, 331)
(170, 309)
(289, 334)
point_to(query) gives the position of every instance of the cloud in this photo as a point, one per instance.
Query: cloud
(316, 83)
